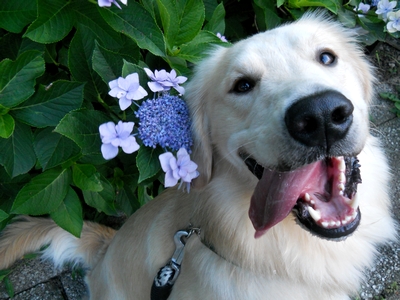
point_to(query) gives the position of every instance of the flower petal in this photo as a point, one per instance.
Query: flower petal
(149, 73)
(169, 179)
(109, 151)
(129, 145)
(124, 103)
(138, 94)
(164, 161)
(180, 89)
(155, 86)
(107, 130)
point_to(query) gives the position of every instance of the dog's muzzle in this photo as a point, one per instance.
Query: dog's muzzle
(322, 194)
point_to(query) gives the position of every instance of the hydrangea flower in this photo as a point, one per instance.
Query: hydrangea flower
(364, 8)
(222, 38)
(163, 81)
(165, 121)
(385, 7)
(108, 3)
(394, 21)
(160, 80)
(179, 168)
(126, 90)
(114, 136)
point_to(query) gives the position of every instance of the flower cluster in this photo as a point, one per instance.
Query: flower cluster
(163, 121)
(385, 11)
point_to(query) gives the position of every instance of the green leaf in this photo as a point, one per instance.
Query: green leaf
(137, 23)
(80, 63)
(9, 287)
(267, 18)
(3, 215)
(83, 128)
(182, 20)
(103, 201)
(217, 21)
(16, 153)
(49, 105)
(43, 194)
(347, 18)
(7, 125)
(69, 214)
(16, 14)
(148, 163)
(126, 196)
(106, 63)
(87, 14)
(17, 78)
(196, 50)
(53, 23)
(331, 5)
(86, 178)
(53, 149)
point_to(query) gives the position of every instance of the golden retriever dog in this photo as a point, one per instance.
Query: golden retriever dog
(292, 198)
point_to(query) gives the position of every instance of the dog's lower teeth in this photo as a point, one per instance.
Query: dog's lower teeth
(315, 214)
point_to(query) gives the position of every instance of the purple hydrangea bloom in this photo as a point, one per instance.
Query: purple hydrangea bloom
(162, 81)
(385, 7)
(108, 3)
(165, 121)
(114, 136)
(362, 7)
(126, 90)
(393, 24)
(179, 168)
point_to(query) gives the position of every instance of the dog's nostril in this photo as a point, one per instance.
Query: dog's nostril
(320, 120)
(340, 115)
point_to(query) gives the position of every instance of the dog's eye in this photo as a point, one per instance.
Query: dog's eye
(243, 86)
(327, 58)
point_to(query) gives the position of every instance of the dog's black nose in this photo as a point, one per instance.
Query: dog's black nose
(320, 119)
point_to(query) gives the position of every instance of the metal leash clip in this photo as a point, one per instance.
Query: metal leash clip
(167, 275)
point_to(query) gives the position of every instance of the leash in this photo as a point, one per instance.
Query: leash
(167, 275)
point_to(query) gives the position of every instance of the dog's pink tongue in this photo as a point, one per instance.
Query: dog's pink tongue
(276, 193)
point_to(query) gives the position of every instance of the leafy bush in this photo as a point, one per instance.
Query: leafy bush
(57, 58)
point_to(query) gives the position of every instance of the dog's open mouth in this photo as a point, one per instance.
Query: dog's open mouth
(322, 195)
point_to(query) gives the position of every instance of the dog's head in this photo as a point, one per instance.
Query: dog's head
(291, 106)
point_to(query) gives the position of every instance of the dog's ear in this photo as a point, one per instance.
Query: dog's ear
(200, 94)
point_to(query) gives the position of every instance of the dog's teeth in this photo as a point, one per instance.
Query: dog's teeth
(307, 197)
(348, 218)
(325, 224)
(344, 222)
(342, 164)
(355, 202)
(332, 223)
(315, 214)
(341, 186)
(337, 223)
(342, 178)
